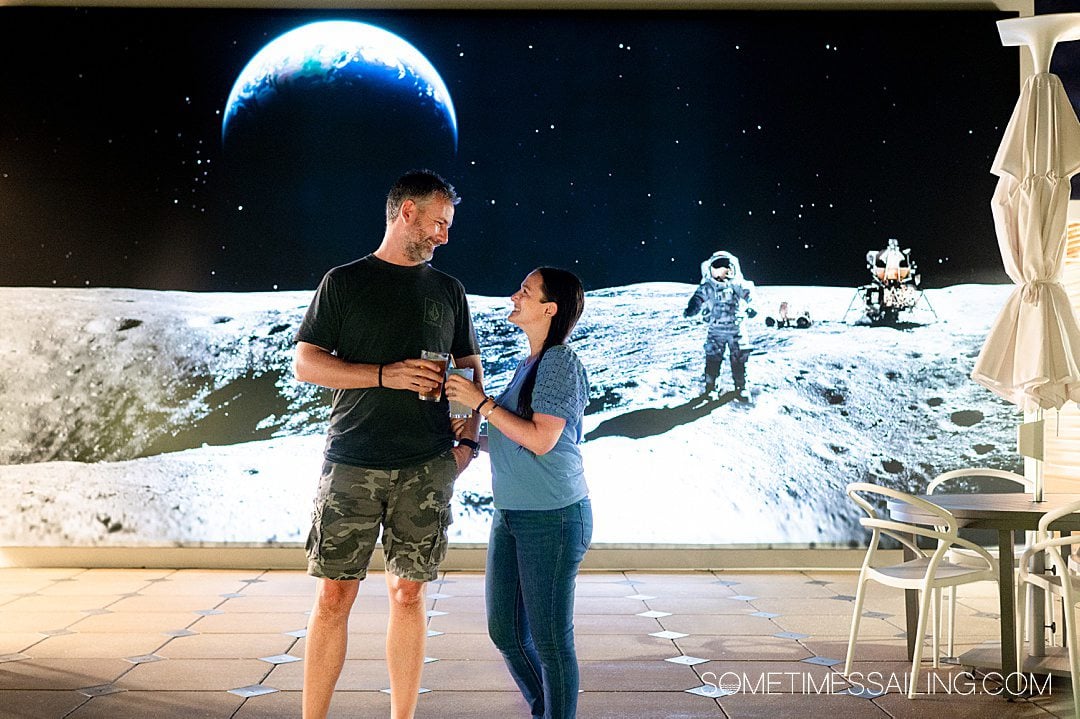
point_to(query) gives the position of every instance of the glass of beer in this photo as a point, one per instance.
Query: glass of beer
(443, 360)
(457, 409)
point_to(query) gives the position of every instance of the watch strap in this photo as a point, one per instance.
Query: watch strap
(471, 444)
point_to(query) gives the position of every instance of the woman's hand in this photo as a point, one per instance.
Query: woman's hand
(462, 390)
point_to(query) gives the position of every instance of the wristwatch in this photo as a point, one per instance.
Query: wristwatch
(474, 446)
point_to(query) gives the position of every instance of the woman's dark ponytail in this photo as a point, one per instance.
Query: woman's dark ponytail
(565, 290)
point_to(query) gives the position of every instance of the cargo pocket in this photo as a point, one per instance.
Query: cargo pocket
(314, 538)
(439, 543)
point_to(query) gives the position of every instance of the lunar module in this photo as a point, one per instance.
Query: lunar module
(894, 286)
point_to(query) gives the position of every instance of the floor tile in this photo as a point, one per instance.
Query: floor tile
(226, 646)
(646, 705)
(160, 705)
(287, 583)
(156, 603)
(102, 587)
(101, 646)
(18, 642)
(613, 624)
(725, 624)
(22, 622)
(743, 648)
(720, 604)
(453, 674)
(460, 646)
(611, 605)
(41, 704)
(798, 706)
(254, 622)
(72, 603)
(134, 622)
(67, 674)
(602, 589)
(346, 705)
(473, 705)
(195, 675)
(615, 646)
(971, 706)
(642, 676)
(272, 603)
(358, 675)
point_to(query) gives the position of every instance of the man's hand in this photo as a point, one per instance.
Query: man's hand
(415, 375)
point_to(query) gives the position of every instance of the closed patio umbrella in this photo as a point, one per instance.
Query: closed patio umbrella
(1030, 356)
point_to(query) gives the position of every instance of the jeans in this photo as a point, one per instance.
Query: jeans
(532, 561)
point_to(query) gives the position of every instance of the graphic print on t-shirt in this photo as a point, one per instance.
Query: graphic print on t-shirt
(434, 311)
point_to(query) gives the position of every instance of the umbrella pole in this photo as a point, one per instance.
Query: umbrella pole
(1030, 445)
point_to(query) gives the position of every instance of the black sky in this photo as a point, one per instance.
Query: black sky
(627, 146)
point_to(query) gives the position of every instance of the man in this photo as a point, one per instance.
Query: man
(390, 460)
(720, 293)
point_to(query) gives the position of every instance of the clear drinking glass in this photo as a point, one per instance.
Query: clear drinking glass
(443, 360)
(457, 409)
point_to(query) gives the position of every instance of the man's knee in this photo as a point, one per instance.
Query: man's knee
(405, 593)
(336, 596)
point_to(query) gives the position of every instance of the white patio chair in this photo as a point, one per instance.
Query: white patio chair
(928, 573)
(1064, 583)
(959, 555)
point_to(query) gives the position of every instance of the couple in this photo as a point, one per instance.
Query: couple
(391, 459)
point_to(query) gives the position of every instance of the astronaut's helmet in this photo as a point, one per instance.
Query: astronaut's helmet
(718, 259)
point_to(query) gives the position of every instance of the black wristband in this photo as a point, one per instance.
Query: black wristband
(482, 403)
(380, 374)
(471, 444)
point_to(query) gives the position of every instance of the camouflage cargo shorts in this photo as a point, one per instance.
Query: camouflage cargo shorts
(410, 505)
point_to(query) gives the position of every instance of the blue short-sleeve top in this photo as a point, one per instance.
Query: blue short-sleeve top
(521, 479)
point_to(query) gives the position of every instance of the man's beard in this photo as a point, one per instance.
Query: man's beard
(418, 248)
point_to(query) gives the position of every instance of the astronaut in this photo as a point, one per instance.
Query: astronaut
(723, 298)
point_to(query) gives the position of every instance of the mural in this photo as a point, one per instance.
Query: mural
(174, 183)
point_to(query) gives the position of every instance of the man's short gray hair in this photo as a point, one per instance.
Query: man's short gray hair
(418, 186)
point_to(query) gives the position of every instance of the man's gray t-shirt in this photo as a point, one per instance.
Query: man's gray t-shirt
(371, 311)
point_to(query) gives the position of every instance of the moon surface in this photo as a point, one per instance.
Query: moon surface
(134, 417)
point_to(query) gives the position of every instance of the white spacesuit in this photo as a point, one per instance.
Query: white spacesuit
(724, 298)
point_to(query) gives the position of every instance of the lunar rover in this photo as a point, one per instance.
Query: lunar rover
(786, 317)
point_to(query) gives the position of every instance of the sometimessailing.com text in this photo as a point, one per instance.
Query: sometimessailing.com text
(961, 683)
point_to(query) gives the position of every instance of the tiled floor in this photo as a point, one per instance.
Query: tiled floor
(158, 644)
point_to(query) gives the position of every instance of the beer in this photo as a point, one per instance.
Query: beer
(443, 360)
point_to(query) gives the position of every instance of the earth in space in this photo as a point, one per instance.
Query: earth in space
(317, 127)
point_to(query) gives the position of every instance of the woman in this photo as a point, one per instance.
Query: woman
(543, 521)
